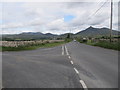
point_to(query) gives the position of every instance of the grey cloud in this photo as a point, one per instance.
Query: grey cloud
(44, 14)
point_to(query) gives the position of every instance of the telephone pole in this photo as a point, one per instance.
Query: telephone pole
(111, 20)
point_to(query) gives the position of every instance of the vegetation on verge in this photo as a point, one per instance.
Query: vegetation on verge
(0, 48)
(104, 44)
(112, 45)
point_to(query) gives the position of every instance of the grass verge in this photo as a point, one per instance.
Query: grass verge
(104, 44)
(0, 48)
(113, 45)
(31, 47)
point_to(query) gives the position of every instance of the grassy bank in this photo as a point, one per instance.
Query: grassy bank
(31, 47)
(104, 44)
(0, 48)
(113, 45)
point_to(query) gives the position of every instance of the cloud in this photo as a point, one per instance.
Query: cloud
(56, 24)
(49, 17)
(20, 25)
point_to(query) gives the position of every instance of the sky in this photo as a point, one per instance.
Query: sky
(55, 17)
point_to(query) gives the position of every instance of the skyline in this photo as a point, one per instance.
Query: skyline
(61, 33)
(54, 17)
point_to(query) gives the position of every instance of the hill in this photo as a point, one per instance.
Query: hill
(91, 31)
(29, 36)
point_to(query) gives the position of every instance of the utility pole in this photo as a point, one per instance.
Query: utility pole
(71, 33)
(111, 20)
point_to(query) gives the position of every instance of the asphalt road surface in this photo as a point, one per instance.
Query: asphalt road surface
(73, 65)
(98, 67)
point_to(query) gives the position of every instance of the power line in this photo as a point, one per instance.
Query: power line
(100, 2)
(97, 10)
(90, 16)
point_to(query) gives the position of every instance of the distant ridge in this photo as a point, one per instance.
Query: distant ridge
(91, 31)
(30, 35)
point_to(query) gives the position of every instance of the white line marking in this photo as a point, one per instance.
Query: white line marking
(76, 70)
(2, 87)
(62, 50)
(83, 84)
(71, 62)
(66, 50)
(69, 57)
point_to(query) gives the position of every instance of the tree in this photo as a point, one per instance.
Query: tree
(68, 35)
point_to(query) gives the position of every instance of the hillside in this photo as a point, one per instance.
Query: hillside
(30, 36)
(91, 31)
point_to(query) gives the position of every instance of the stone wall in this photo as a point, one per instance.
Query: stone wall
(23, 43)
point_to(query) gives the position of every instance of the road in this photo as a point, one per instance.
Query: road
(98, 67)
(42, 68)
(73, 65)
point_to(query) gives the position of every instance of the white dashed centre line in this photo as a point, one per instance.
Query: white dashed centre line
(66, 50)
(69, 57)
(81, 81)
(71, 62)
(76, 70)
(62, 50)
(83, 84)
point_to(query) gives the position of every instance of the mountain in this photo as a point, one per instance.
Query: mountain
(29, 35)
(50, 35)
(65, 35)
(91, 31)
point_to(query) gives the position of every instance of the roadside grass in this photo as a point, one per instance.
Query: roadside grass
(0, 48)
(104, 44)
(112, 45)
(32, 47)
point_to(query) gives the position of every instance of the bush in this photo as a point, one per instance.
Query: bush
(68, 40)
